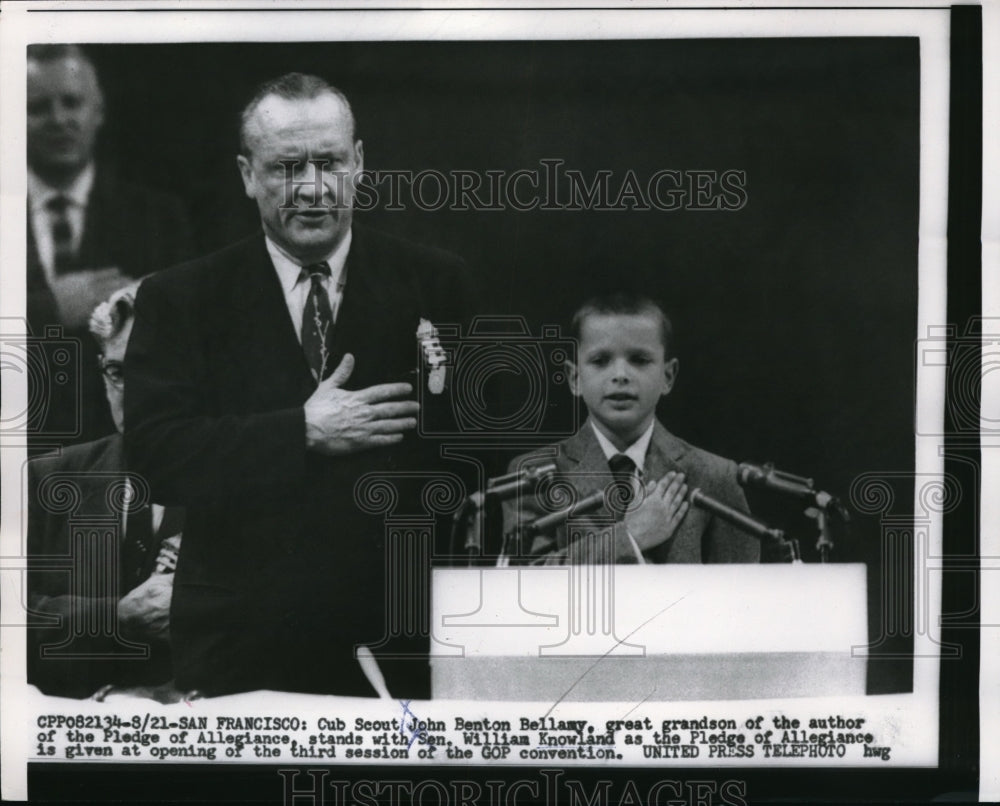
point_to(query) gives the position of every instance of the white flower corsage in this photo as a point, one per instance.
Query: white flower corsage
(102, 321)
(106, 319)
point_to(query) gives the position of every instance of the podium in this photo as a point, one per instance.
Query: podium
(653, 632)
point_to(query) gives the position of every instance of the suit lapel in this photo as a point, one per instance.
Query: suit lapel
(588, 466)
(96, 245)
(372, 323)
(357, 303)
(108, 457)
(665, 453)
(590, 471)
(35, 280)
(263, 337)
(35, 274)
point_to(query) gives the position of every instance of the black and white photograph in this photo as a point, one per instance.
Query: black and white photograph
(495, 405)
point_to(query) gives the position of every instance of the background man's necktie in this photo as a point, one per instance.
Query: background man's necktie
(63, 255)
(623, 469)
(317, 322)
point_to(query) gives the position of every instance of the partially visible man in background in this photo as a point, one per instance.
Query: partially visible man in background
(90, 232)
(97, 621)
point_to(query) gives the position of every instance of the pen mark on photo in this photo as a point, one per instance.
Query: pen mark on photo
(643, 701)
(605, 655)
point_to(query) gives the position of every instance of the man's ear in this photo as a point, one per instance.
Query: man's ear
(573, 377)
(246, 172)
(100, 110)
(670, 370)
(359, 155)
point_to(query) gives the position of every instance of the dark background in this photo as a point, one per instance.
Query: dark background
(795, 315)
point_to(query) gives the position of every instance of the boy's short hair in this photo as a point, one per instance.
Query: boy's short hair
(624, 303)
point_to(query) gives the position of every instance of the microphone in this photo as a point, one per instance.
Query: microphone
(740, 520)
(768, 478)
(696, 497)
(588, 504)
(503, 487)
(499, 488)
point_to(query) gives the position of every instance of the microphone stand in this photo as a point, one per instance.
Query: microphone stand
(742, 521)
(745, 523)
(821, 514)
(469, 517)
(820, 504)
(467, 520)
(584, 505)
(503, 560)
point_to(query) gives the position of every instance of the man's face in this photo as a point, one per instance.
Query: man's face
(65, 111)
(622, 373)
(305, 208)
(113, 361)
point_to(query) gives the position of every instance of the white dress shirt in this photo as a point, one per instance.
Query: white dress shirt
(636, 451)
(158, 510)
(40, 193)
(297, 289)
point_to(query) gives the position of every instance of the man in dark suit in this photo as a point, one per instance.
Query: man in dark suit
(111, 630)
(264, 382)
(90, 231)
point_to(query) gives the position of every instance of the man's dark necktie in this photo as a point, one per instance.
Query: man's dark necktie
(623, 469)
(63, 256)
(317, 322)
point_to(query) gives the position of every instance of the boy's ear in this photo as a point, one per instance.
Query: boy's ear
(573, 378)
(670, 369)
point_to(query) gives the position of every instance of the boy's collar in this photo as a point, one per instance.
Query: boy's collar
(636, 451)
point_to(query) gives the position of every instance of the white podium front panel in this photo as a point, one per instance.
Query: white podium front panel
(653, 632)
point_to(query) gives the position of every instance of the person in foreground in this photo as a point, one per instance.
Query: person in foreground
(147, 552)
(624, 366)
(265, 381)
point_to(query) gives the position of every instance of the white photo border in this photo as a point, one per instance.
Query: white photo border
(205, 22)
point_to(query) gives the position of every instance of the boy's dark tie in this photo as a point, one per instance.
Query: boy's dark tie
(623, 469)
(317, 322)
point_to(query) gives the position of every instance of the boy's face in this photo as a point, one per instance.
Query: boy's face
(622, 373)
